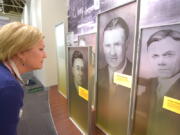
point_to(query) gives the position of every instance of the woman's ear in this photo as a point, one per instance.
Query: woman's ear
(21, 57)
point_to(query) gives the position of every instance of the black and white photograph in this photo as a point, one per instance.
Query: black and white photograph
(82, 16)
(78, 76)
(109, 4)
(116, 31)
(159, 73)
(156, 12)
(87, 39)
(79, 69)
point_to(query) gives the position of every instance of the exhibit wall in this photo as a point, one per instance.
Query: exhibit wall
(144, 98)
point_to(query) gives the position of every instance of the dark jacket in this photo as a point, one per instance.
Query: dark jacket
(112, 107)
(78, 107)
(151, 117)
(163, 121)
(11, 100)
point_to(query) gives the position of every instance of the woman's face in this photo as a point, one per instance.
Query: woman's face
(33, 58)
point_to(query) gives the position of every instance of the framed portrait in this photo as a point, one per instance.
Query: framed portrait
(158, 81)
(61, 56)
(78, 84)
(116, 31)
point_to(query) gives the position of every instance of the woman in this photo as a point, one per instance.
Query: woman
(21, 51)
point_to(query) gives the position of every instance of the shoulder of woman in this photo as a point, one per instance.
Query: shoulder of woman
(7, 79)
(9, 85)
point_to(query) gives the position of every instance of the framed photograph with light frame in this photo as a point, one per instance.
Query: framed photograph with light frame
(116, 33)
(158, 80)
(78, 86)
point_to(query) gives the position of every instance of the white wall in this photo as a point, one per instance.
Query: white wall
(45, 15)
(32, 16)
(53, 12)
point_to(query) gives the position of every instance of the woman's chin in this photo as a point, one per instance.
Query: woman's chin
(38, 67)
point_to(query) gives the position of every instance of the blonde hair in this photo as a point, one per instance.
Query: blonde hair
(16, 37)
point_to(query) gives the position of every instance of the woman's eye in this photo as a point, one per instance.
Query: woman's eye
(41, 49)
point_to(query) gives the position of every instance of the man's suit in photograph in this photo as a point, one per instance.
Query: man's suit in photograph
(112, 103)
(163, 121)
(151, 117)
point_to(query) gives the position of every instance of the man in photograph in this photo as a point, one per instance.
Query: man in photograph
(163, 49)
(78, 67)
(113, 100)
(78, 106)
(115, 47)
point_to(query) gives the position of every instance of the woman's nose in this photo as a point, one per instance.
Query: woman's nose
(45, 55)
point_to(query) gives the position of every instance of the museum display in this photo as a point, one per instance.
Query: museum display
(90, 40)
(158, 93)
(116, 29)
(134, 87)
(78, 86)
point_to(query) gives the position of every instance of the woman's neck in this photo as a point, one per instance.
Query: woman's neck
(14, 69)
(20, 67)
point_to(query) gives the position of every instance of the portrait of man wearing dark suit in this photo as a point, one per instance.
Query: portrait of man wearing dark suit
(163, 48)
(78, 67)
(78, 107)
(113, 100)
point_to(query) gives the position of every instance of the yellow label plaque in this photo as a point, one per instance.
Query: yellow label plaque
(122, 79)
(171, 104)
(83, 93)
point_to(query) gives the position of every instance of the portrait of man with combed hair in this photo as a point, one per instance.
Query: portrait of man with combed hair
(160, 46)
(116, 35)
